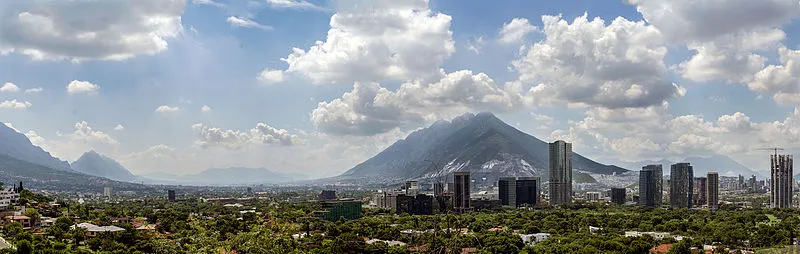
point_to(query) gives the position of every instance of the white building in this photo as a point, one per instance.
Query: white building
(8, 198)
(656, 235)
(533, 239)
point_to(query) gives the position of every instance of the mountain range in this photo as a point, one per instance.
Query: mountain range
(722, 164)
(92, 163)
(481, 144)
(226, 176)
(17, 145)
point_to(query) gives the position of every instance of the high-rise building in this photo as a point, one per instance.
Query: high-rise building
(171, 195)
(412, 188)
(781, 170)
(650, 185)
(560, 173)
(326, 195)
(712, 190)
(461, 188)
(438, 189)
(618, 196)
(699, 191)
(528, 189)
(520, 191)
(741, 182)
(507, 190)
(107, 191)
(680, 185)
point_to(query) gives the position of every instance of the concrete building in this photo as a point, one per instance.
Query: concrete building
(107, 192)
(560, 173)
(419, 204)
(781, 171)
(461, 188)
(438, 189)
(326, 195)
(651, 186)
(519, 191)
(699, 191)
(712, 190)
(348, 209)
(593, 196)
(680, 185)
(533, 239)
(171, 195)
(618, 196)
(412, 188)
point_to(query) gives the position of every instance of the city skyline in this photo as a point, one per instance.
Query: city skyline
(228, 83)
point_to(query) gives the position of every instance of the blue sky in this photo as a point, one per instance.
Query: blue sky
(621, 79)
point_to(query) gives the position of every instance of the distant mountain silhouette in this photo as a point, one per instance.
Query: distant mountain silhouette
(32, 175)
(721, 164)
(226, 176)
(92, 163)
(18, 146)
(481, 144)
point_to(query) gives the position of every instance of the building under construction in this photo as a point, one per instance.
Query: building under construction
(781, 171)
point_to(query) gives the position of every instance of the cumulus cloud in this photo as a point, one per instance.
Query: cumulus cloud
(209, 2)
(119, 127)
(235, 139)
(292, 4)
(246, 23)
(782, 80)
(14, 104)
(724, 34)
(9, 87)
(588, 62)
(370, 109)
(475, 45)
(376, 41)
(166, 109)
(83, 29)
(77, 86)
(205, 109)
(270, 76)
(34, 90)
(515, 31)
(84, 132)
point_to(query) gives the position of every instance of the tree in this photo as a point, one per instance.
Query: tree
(34, 215)
(24, 247)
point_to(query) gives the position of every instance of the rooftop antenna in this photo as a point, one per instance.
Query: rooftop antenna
(775, 149)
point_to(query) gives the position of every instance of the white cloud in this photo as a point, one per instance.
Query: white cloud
(209, 2)
(14, 104)
(77, 86)
(270, 76)
(724, 33)
(292, 4)
(167, 109)
(234, 139)
(588, 62)
(9, 87)
(84, 132)
(475, 45)
(205, 109)
(246, 23)
(371, 109)
(119, 127)
(515, 31)
(377, 41)
(102, 30)
(34, 90)
(781, 80)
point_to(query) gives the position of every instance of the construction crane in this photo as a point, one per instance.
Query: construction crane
(771, 149)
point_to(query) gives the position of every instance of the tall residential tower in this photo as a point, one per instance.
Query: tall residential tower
(681, 185)
(712, 191)
(560, 173)
(782, 180)
(650, 185)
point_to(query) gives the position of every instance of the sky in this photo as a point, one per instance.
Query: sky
(315, 87)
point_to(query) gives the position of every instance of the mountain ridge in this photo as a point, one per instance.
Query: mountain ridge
(17, 145)
(482, 144)
(95, 164)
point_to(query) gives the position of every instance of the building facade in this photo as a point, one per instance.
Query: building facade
(651, 186)
(781, 171)
(334, 209)
(712, 190)
(519, 191)
(325, 195)
(560, 173)
(618, 196)
(461, 188)
(171, 195)
(681, 185)
(507, 191)
(699, 191)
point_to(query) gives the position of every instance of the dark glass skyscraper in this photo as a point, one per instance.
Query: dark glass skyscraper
(712, 191)
(681, 185)
(461, 191)
(521, 191)
(650, 185)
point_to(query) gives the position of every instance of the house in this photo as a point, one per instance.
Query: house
(661, 249)
(93, 230)
(22, 219)
(533, 239)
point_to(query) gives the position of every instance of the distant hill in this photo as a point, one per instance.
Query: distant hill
(481, 144)
(722, 164)
(226, 176)
(18, 146)
(36, 176)
(92, 163)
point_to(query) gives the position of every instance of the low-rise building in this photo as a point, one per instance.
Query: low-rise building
(533, 239)
(24, 220)
(656, 235)
(93, 230)
(349, 209)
